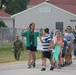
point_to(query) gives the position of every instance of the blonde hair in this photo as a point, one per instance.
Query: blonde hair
(57, 31)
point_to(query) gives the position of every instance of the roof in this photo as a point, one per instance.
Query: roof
(41, 5)
(68, 5)
(3, 14)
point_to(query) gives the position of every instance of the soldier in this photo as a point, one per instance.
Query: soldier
(17, 47)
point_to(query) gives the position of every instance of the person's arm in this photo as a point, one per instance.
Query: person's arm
(13, 46)
(66, 47)
(22, 32)
(72, 36)
(22, 46)
(55, 42)
(50, 45)
(40, 39)
(62, 44)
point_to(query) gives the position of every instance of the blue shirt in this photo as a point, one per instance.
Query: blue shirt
(51, 35)
(64, 46)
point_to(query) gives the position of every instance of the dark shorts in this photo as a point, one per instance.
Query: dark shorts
(32, 48)
(74, 52)
(47, 54)
(63, 55)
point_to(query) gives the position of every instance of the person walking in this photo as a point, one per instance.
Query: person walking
(64, 50)
(69, 36)
(57, 49)
(17, 47)
(31, 43)
(46, 51)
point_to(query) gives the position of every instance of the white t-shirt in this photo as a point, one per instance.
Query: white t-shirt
(69, 37)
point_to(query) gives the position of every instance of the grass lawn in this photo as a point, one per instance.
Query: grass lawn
(6, 55)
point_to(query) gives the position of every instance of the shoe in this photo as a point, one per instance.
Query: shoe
(59, 67)
(71, 62)
(51, 68)
(18, 58)
(55, 66)
(29, 65)
(43, 69)
(33, 64)
(64, 65)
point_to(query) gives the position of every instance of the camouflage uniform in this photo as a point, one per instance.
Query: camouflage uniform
(17, 47)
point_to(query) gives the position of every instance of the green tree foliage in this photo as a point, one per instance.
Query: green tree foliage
(15, 6)
(2, 24)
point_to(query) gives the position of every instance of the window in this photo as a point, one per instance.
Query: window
(45, 9)
(59, 25)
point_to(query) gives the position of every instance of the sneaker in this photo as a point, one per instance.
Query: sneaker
(55, 66)
(64, 65)
(33, 64)
(29, 65)
(51, 68)
(59, 67)
(43, 69)
(71, 62)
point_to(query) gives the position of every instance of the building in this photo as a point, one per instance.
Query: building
(54, 15)
(6, 18)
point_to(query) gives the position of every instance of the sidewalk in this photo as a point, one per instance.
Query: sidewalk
(20, 68)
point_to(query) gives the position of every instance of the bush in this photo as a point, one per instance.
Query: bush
(2, 24)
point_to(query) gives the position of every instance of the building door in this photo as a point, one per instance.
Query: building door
(59, 25)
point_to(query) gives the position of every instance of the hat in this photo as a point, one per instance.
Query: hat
(17, 35)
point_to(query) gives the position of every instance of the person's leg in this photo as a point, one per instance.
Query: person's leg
(66, 59)
(18, 54)
(15, 54)
(62, 58)
(70, 55)
(29, 58)
(60, 61)
(33, 58)
(52, 64)
(33, 50)
(44, 64)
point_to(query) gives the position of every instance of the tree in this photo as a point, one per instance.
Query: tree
(15, 6)
(2, 24)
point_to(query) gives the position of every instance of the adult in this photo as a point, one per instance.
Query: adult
(17, 47)
(31, 43)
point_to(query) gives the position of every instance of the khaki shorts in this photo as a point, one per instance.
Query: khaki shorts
(69, 50)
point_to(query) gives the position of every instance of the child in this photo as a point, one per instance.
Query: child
(46, 52)
(70, 40)
(64, 50)
(75, 49)
(57, 48)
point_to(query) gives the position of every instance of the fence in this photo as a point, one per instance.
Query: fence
(7, 36)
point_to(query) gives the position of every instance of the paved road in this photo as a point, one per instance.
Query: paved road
(20, 68)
